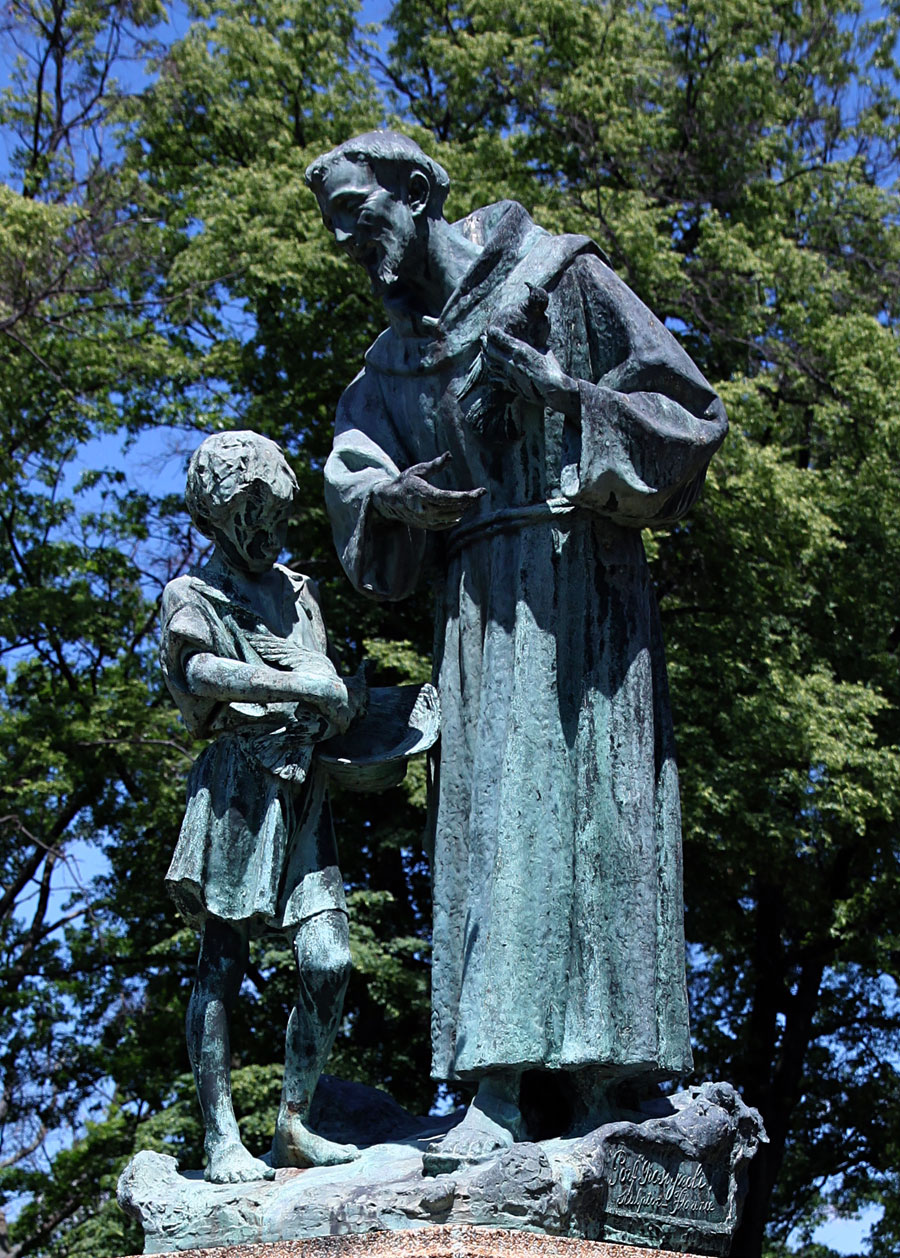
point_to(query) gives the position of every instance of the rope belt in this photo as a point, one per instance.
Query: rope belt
(509, 518)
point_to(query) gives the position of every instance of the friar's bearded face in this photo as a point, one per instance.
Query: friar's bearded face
(374, 224)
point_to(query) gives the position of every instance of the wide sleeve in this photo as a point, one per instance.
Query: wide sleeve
(383, 558)
(186, 628)
(650, 423)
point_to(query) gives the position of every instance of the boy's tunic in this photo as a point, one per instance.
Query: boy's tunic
(256, 844)
(558, 920)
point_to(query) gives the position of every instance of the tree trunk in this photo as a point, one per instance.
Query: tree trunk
(777, 1098)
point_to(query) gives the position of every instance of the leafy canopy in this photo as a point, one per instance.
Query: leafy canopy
(162, 267)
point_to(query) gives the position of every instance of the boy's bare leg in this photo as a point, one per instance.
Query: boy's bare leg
(491, 1123)
(220, 972)
(322, 952)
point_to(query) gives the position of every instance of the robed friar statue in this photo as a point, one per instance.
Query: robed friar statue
(518, 423)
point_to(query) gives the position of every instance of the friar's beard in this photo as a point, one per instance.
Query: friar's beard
(385, 275)
(395, 258)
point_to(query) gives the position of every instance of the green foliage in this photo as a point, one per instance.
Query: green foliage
(118, 314)
(737, 162)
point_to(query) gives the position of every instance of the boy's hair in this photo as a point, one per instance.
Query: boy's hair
(392, 158)
(225, 468)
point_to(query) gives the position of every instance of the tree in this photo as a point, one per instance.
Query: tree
(121, 315)
(82, 559)
(737, 162)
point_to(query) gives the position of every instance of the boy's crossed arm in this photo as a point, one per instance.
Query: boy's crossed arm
(315, 682)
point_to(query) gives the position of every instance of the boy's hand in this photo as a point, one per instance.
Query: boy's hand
(324, 692)
(279, 653)
(357, 693)
(345, 705)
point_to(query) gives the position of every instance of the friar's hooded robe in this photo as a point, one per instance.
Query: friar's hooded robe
(558, 917)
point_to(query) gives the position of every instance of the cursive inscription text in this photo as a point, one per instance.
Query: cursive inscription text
(638, 1184)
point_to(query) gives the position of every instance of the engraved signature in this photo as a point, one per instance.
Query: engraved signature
(641, 1184)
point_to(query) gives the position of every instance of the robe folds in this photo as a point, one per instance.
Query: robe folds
(558, 919)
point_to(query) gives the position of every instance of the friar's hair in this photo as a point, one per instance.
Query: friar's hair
(391, 157)
(229, 466)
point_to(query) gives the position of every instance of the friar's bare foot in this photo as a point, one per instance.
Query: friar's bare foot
(229, 1162)
(488, 1126)
(296, 1145)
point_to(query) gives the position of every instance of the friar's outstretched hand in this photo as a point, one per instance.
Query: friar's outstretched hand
(412, 500)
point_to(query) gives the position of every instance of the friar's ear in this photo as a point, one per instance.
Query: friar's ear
(418, 192)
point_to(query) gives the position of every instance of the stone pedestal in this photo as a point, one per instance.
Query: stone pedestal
(435, 1242)
(673, 1179)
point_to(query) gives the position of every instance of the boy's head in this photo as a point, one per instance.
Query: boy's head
(240, 490)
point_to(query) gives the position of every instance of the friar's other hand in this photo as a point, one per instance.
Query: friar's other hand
(532, 374)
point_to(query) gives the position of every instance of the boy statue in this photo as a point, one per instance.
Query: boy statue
(244, 653)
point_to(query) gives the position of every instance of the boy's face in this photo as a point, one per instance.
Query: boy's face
(257, 529)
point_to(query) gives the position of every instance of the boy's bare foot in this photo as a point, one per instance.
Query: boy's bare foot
(488, 1126)
(229, 1163)
(296, 1145)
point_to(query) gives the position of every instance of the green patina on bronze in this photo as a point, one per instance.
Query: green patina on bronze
(513, 430)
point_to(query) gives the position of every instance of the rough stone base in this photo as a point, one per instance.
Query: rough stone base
(670, 1179)
(436, 1242)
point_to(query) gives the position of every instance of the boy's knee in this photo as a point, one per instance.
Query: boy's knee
(323, 951)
